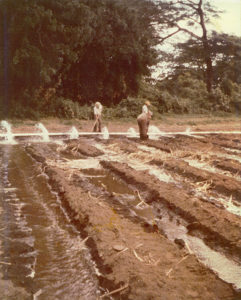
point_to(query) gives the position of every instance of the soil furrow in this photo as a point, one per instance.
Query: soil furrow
(228, 165)
(150, 266)
(203, 217)
(221, 183)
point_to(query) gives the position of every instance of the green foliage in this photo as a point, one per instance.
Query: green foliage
(89, 49)
(58, 56)
(66, 108)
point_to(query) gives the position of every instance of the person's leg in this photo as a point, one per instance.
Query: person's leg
(145, 129)
(95, 127)
(141, 125)
(99, 124)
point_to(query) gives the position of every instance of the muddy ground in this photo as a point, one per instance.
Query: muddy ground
(136, 254)
(120, 191)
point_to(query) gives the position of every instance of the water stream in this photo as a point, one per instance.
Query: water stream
(44, 252)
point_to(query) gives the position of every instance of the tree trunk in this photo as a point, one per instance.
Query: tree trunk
(207, 51)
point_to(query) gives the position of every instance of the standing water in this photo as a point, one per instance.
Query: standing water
(43, 252)
(44, 134)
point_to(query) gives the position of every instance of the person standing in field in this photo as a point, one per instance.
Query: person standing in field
(146, 110)
(97, 114)
(143, 120)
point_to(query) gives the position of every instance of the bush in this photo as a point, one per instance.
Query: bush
(67, 109)
(127, 108)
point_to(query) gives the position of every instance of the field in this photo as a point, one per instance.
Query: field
(161, 218)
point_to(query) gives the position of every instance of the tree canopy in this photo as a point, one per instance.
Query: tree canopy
(83, 49)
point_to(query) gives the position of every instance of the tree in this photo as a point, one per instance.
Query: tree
(41, 36)
(225, 53)
(191, 17)
(79, 49)
(118, 54)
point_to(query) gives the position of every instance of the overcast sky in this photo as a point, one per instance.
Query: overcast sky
(230, 20)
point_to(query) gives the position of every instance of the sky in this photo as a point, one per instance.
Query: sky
(230, 21)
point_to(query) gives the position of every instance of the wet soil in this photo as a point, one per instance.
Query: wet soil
(131, 254)
(228, 165)
(221, 183)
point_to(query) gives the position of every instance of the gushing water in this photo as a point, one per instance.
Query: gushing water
(73, 134)
(105, 133)
(131, 132)
(44, 134)
(154, 132)
(9, 138)
(188, 131)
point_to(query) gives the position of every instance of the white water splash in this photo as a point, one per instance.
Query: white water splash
(44, 134)
(154, 132)
(131, 132)
(73, 134)
(105, 133)
(9, 138)
(188, 131)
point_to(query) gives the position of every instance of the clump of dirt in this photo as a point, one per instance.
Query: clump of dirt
(82, 147)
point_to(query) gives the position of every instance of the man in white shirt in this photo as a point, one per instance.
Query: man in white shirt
(145, 107)
(97, 113)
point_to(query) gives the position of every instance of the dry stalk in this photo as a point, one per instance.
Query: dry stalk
(181, 260)
(77, 149)
(70, 175)
(94, 198)
(5, 263)
(117, 254)
(5, 236)
(104, 186)
(137, 256)
(188, 248)
(65, 159)
(141, 200)
(115, 291)
(205, 187)
(82, 243)
(148, 260)
(152, 261)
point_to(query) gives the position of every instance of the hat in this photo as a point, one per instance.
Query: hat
(147, 103)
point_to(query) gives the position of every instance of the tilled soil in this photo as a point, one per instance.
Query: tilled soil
(134, 256)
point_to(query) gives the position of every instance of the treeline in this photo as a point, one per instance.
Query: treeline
(59, 56)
